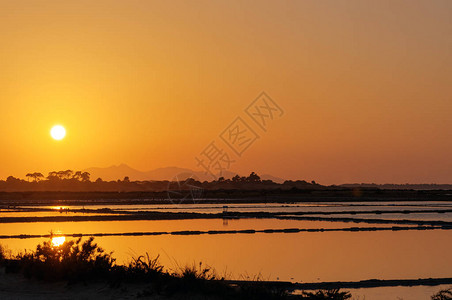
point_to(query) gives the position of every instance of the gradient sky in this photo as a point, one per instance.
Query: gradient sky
(365, 85)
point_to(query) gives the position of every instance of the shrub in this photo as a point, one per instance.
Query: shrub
(73, 260)
(145, 266)
(334, 294)
(443, 295)
(2, 253)
(197, 273)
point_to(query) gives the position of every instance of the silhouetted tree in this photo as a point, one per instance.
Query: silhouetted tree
(53, 176)
(29, 175)
(126, 179)
(85, 176)
(77, 175)
(253, 177)
(60, 175)
(12, 179)
(67, 174)
(236, 178)
(36, 176)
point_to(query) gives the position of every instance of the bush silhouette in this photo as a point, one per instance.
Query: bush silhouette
(443, 295)
(73, 260)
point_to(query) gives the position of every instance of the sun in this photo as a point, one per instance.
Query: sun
(58, 132)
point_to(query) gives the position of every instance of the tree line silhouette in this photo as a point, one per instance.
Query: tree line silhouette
(69, 180)
(58, 175)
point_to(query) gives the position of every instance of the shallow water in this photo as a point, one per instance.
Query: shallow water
(397, 293)
(307, 257)
(300, 257)
(434, 216)
(10, 214)
(271, 207)
(90, 227)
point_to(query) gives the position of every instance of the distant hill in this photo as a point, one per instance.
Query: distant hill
(168, 173)
(272, 178)
(115, 173)
(123, 170)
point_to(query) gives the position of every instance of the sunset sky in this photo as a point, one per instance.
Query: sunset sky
(365, 86)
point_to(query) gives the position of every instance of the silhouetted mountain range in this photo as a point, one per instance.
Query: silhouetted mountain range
(168, 173)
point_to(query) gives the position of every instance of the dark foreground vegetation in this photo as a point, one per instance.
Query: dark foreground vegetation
(78, 261)
(443, 295)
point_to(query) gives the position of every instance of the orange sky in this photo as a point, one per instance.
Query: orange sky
(365, 85)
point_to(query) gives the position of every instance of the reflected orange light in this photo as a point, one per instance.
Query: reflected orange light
(58, 207)
(58, 241)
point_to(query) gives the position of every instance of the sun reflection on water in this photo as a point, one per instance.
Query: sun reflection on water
(58, 241)
(59, 207)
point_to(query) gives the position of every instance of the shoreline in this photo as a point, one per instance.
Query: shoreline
(143, 216)
(218, 196)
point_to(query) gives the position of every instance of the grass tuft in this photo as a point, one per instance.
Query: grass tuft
(333, 294)
(443, 295)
